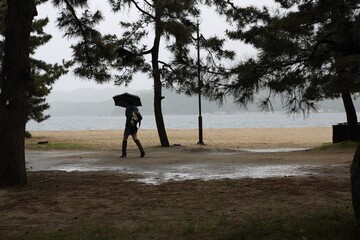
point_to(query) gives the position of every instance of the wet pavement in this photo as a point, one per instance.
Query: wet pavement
(161, 167)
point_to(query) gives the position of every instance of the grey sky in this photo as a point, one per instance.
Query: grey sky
(58, 48)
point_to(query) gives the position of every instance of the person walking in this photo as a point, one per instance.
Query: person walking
(133, 118)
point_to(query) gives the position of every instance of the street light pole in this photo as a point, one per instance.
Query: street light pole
(200, 142)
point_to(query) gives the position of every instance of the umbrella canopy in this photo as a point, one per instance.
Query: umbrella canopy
(125, 99)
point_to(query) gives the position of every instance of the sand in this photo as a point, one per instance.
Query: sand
(213, 138)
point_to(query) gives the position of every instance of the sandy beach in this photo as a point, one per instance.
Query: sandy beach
(213, 138)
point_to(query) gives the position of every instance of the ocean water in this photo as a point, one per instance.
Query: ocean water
(242, 120)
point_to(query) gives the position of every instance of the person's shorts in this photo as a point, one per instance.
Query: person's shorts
(130, 130)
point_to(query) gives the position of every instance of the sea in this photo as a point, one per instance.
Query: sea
(240, 120)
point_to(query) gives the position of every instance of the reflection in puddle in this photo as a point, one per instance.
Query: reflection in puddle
(275, 150)
(74, 168)
(164, 172)
(204, 172)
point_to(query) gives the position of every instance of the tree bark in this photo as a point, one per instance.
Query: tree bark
(13, 96)
(355, 183)
(158, 87)
(351, 116)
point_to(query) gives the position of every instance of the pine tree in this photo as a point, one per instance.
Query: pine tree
(308, 51)
(305, 48)
(24, 83)
(168, 23)
(43, 75)
(15, 80)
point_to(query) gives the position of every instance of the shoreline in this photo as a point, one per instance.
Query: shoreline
(213, 138)
(241, 120)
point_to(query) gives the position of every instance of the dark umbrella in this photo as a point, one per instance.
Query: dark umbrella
(125, 99)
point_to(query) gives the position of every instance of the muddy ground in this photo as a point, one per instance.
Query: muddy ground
(59, 201)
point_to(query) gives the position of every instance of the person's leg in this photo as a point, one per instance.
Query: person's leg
(138, 143)
(124, 145)
(134, 136)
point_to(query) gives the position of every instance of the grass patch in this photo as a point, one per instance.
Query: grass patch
(84, 233)
(57, 146)
(340, 145)
(332, 223)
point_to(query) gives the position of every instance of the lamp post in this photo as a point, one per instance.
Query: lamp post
(198, 21)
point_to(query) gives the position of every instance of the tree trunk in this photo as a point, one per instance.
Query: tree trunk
(13, 96)
(158, 88)
(158, 115)
(355, 183)
(351, 116)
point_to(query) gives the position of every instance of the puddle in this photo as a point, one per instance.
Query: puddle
(81, 168)
(163, 172)
(275, 150)
(206, 172)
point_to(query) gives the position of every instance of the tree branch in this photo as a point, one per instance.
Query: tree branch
(323, 40)
(146, 52)
(151, 5)
(77, 20)
(142, 10)
(166, 65)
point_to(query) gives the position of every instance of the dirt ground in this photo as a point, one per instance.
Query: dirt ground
(57, 201)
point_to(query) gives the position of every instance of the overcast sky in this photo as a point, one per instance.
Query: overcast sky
(58, 48)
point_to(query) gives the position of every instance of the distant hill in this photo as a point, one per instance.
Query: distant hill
(85, 95)
(98, 102)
